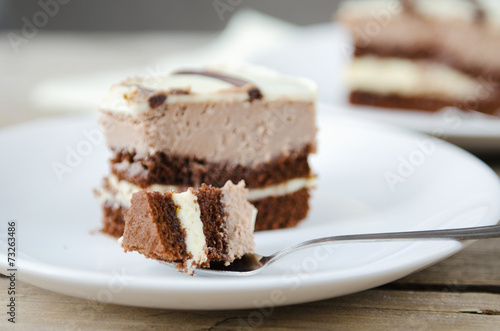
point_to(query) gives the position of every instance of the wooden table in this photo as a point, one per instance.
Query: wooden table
(462, 292)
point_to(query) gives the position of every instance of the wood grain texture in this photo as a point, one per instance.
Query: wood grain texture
(477, 265)
(375, 309)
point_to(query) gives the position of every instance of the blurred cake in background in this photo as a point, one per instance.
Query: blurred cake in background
(231, 122)
(424, 54)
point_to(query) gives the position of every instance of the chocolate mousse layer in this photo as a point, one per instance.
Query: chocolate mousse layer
(152, 227)
(240, 133)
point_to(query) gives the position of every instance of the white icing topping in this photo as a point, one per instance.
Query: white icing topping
(188, 213)
(362, 8)
(408, 78)
(127, 96)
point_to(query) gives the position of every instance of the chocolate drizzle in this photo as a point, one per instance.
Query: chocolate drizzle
(479, 12)
(179, 91)
(253, 92)
(157, 100)
(408, 6)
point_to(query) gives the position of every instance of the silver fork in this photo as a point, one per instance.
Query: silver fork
(252, 263)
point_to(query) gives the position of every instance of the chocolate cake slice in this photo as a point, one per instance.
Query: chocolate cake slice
(192, 228)
(231, 122)
(424, 54)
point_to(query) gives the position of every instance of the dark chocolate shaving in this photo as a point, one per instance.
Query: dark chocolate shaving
(157, 100)
(253, 92)
(232, 80)
(479, 13)
(408, 6)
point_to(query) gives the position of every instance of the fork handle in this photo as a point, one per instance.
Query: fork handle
(482, 232)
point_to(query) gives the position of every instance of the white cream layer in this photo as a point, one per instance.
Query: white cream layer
(408, 78)
(188, 213)
(124, 190)
(290, 186)
(124, 97)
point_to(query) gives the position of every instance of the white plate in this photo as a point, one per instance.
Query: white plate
(323, 53)
(60, 250)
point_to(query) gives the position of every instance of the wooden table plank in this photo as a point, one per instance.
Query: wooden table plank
(477, 265)
(375, 309)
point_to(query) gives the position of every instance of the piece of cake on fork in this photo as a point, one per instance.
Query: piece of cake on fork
(231, 122)
(191, 228)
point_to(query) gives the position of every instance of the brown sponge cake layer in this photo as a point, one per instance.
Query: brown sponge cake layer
(169, 169)
(394, 51)
(113, 219)
(421, 103)
(273, 213)
(284, 211)
(212, 216)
